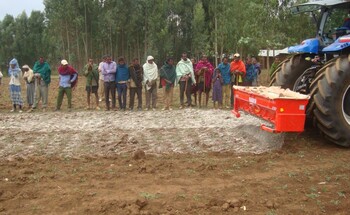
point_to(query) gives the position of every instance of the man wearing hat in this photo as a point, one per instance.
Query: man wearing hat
(238, 71)
(150, 76)
(68, 79)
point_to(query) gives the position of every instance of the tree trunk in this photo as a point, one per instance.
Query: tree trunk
(68, 43)
(86, 34)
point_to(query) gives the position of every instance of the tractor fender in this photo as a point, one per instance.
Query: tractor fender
(307, 46)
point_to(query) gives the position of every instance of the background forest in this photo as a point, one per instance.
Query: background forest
(79, 29)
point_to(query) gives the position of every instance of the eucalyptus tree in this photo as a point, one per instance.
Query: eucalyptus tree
(200, 42)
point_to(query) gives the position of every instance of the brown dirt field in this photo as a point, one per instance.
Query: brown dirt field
(189, 161)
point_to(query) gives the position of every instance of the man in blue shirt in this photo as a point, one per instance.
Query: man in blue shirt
(68, 78)
(122, 79)
(224, 67)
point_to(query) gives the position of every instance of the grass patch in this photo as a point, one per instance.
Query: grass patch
(149, 196)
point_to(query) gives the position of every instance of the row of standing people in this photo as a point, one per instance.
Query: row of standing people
(224, 77)
(185, 74)
(37, 84)
(37, 81)
(192, 78)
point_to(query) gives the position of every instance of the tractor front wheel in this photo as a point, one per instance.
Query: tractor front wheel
(290, 71)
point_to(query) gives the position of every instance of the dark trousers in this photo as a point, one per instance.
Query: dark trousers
(133, 91)
(110, 89)
(122, 92)
(185, 88)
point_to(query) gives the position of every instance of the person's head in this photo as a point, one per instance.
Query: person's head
(193, 60)
(121, 61)
(217, 70)
(248, 60)
(225, 60)
(184, 56)
(150, 59)
(91, 61)
(254, 60)
(236, 57)
(135, 61)
(25, 68)
(108, 59)
(13, 63)
(41, 60)
(64, 63)
(170, 61)
(204, 58)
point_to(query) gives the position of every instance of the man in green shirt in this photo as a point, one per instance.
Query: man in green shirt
(42, 80)
(91, 73)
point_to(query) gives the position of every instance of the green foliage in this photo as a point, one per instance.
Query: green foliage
(200, 32)
(81, 29)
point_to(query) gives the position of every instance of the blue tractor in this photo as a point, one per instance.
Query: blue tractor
(320, 67)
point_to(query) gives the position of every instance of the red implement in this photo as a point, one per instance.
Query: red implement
(283, 108)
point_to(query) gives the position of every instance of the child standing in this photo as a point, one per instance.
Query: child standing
(217, 87)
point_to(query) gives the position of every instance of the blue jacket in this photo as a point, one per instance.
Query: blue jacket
(250, 72)
(122, 73)
(225, 72)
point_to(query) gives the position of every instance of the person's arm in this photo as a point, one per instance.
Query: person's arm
(25, 76)
(35, 67)
(242, 69)
(213, 78)
(100, 67)
(75, 75)
(86, 70)
(211, 68)
(132, 74)
(113, 69)
(128, 75)
(104, 72)
(231, 67)
(145, 78)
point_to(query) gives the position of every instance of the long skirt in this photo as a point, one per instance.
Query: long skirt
(30, 93)
(15, 93)
(217, 92)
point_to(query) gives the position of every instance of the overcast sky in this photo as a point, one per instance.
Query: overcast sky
(16, 7)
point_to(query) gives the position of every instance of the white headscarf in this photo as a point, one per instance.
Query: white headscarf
(150, 73)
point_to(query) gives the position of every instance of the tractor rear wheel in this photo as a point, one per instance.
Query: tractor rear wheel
(287, 74)
(331, 98)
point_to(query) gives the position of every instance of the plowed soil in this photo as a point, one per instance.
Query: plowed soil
(191, 161)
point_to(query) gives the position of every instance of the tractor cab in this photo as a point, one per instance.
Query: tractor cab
(332, 21)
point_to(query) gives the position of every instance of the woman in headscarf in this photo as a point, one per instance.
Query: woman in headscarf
(15, 85)
(29, 79)
(167, 80)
